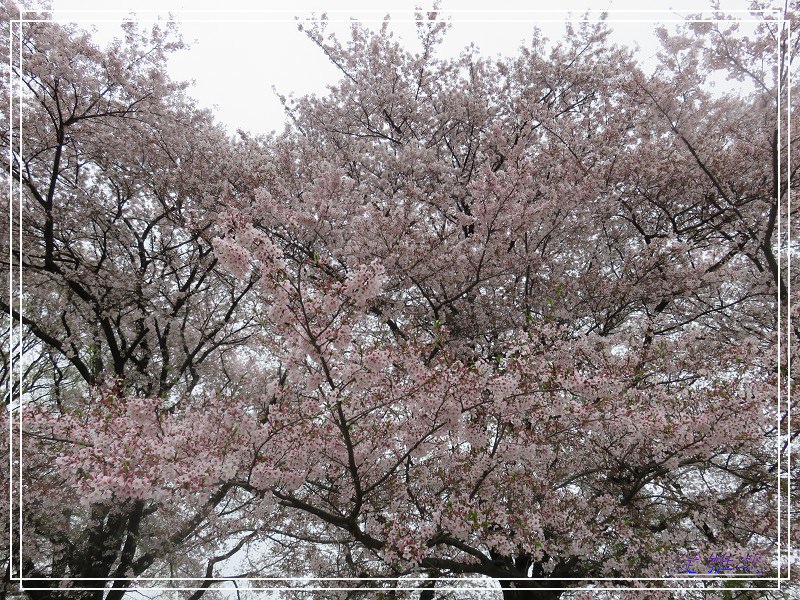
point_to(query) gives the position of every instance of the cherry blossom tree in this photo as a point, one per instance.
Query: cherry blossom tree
(121, 176)
(526, 309)
(512, 318)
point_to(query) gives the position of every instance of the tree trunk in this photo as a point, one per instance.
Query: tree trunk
(523, 590)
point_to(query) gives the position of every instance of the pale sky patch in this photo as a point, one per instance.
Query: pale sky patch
(240, 52)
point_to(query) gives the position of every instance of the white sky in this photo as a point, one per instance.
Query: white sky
(239, 52)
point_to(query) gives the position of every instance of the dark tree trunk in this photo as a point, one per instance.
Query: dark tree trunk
(113, 539)
(523, 590)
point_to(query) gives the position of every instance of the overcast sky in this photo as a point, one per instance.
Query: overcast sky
(240, 52)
